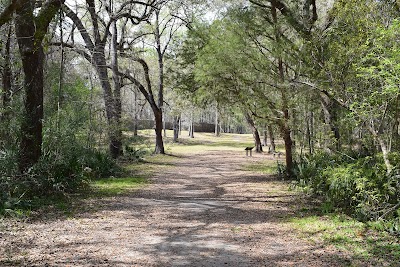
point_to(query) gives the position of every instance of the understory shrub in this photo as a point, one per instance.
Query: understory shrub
(359, 186)
(65, 168)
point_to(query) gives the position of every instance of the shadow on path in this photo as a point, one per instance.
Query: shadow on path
(202, 211)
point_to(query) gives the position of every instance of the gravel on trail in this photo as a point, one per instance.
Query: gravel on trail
(204, 210)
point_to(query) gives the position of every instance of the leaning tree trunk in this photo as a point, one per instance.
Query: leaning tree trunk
(284, 123)
(385, 151)
(114, 136)
(32, 57)
(256, 135)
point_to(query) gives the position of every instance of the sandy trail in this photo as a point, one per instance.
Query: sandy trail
(204, 210)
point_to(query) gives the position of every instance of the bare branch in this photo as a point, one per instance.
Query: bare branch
(78, 23)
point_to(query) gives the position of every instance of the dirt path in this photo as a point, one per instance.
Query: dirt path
(203, 211)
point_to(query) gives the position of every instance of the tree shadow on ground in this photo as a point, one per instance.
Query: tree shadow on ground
(204, 212)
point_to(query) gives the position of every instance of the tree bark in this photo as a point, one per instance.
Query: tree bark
(191, 126)
(159, 149)
(7, 81)
(309, 133)
(158, 115)
(329, 108)
(32, 57)
(256, 135)
(176, 128)
(385, 151)
(135, 116)
(115, 144)
(285, 131)
(216, 132)
(284, 122)
(115, 131)
(265, 136)
(271, 136)
(165, 124)
(97, 57)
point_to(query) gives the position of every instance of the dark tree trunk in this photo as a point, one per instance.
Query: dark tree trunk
(165, 124)
(216, 132)
(191, 126)
(329, 108)
(6, 82)
(176, 128)
(112, 99)
(309, 132)
(257, 140)
(32, 58)
(285, 131)
(158, 129)
(265, 136)
(256, 135)
(116, 144)
(135, 116)
(180, 125)
(112, 111)
(271, 136)
(284, 123)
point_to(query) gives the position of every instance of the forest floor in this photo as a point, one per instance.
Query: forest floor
(200, 208)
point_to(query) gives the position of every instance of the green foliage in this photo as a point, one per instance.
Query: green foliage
(135, 153)
(63, 169)
(69, 157)
(115, 186)
(359, 186)
(362, 241)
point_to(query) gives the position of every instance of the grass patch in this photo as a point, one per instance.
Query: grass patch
(348, 235)
(203, 142)
(266, 167)
(117, 186)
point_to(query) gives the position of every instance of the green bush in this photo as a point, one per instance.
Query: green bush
(358, 186)
(65, 168)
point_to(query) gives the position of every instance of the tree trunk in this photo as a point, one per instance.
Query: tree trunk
(285, 131)
(191, 127)
(165, 124)
(216, 132)
(256, 135)
(135, 116)
(284, 123)
(7, 87)
(329, 108)
(159, 126)
(112, 100)
(180, 125)
(270, 133)
(116, 144)
(385, 151)
(265, 136)
(32, 57)
(176, 128)
(309, 133)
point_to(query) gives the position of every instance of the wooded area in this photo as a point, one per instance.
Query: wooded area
(79, 78)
